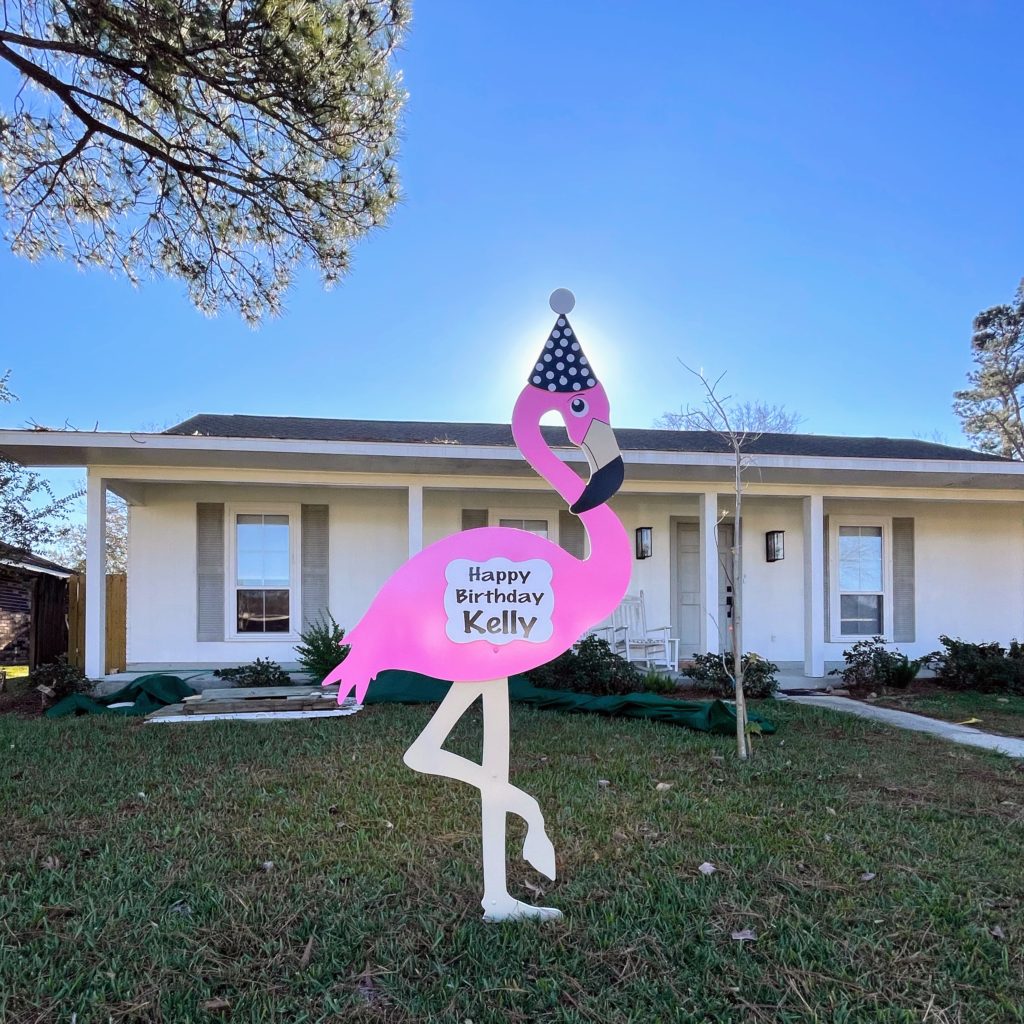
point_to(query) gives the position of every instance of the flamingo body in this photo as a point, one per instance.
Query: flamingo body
(404, 628)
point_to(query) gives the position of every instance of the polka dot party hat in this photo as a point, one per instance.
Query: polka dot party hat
(561, 365)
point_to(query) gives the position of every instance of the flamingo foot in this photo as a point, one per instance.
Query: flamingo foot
(539, 851)
(507, 908)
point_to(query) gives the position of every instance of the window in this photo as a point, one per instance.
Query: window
(861, 574)
(537, 526)
(262, 595)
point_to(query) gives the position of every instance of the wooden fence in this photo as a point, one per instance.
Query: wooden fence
(117, 622)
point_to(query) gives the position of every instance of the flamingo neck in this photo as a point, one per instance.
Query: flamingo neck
(535, 450)
(607, 536)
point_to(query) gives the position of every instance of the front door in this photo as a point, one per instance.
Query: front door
(725, 588)
(688, 602)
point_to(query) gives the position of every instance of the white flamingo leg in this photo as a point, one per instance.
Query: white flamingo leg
(497, 795)
(426, 754)
(497, 903)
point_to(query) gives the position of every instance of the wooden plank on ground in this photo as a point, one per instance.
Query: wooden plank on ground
(236, 692)
(176, 713)
(206, 707)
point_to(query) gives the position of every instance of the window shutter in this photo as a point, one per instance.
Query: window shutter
(903, 626)
(315, 567)
(826, 575)
(474, 518)
(209, 571)
(571, 534)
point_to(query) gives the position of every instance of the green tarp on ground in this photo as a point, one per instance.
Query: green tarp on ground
(705, 716)
(145, 694)
(158, 690)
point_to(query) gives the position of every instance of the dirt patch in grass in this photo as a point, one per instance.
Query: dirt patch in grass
(692, 693)
(19, 698)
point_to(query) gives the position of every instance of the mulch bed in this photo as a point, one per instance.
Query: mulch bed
(918, 688)
(694, 694)
(20, 700)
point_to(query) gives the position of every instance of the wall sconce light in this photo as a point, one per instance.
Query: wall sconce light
(775, 545)
(644, 541)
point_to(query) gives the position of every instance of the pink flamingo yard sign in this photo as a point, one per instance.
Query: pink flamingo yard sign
(486, 604)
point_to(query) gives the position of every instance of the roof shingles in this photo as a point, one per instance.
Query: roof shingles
(296, 428)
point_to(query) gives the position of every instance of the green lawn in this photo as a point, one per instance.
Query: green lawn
(132, 888)
(998, 713)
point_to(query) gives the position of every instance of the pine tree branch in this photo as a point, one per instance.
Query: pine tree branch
(67, 94)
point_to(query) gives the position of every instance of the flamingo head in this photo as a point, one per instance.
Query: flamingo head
(587, 421)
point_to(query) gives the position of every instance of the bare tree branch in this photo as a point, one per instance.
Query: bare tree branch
(716, 417)
(753, 417)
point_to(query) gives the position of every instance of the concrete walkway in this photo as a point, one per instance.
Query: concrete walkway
(917, 723)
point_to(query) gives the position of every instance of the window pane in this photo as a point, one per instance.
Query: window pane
(262, 550)
(249, 534)
(275, 568)
(537, 526)
(263, 611)
(860, 614)
(275, 535)
(250, 568)
(275, 614)
(860, 558)
(250, 611)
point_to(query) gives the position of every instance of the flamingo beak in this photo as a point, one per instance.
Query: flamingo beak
(606, 467)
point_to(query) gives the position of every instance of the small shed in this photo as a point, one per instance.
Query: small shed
(33, 608)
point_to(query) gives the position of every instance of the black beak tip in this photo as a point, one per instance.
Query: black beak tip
(601, 486)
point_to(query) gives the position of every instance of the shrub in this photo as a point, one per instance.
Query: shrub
(713, 671)
(58, 679)
(869, 663)
(593, 667)
(259, 673)
(989, 668)
(321, 648)
(657, 682)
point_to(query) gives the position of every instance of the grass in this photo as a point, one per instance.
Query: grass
(132, 886)
(999, 713)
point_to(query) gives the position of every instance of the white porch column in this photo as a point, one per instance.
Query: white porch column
(709, 632)
(415, 519)
(814, 586)
(95, 576)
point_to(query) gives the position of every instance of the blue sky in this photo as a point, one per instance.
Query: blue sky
(815, 198)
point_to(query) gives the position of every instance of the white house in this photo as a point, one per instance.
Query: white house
(242, 528)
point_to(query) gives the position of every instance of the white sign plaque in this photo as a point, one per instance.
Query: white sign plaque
(498, 601)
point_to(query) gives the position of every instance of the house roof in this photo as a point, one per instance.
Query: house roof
(499, 435)
(454, 454)
(17, 558)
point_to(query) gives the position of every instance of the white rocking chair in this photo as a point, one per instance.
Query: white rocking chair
(635, 642)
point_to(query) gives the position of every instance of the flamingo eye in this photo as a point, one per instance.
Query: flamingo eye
(578, 407)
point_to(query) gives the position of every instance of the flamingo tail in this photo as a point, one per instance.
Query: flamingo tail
(353, 674)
